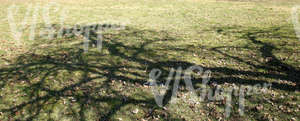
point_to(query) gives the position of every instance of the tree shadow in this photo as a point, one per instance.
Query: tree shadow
(259, 55)
(57, 73)
(57, 79)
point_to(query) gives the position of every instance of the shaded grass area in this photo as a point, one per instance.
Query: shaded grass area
(57, 80)
(59, 73)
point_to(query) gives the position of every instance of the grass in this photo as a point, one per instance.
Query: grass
(241, 42)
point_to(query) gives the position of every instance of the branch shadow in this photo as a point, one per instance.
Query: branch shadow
(57, 73)
(57, 79)
(263, 43)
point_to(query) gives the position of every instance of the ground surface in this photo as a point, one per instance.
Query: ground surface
(241, 42)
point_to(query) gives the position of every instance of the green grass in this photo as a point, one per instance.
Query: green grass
(241, 42)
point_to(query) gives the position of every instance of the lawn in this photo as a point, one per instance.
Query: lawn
(243, 43)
